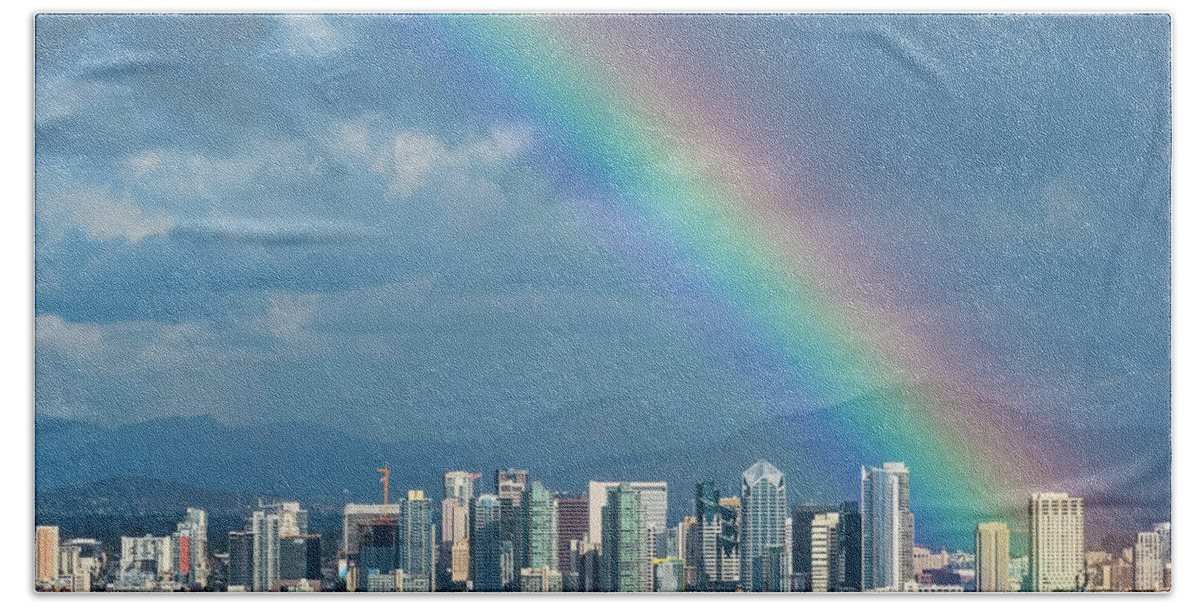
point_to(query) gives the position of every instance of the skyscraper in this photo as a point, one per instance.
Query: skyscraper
(627, 564)
(763, 526)
(191, 548)
(240, 574)
(1164, 534)
(823, 551)
(1147, 562)
(887, 528)
(45, 552)
(850, 541)
(541, 528)
(572, 525)
(459, 485)
(486, 544)
(654, 501)
(715, 547)
(416, 542)
(1056, 542)
(991, 557)
(801, 539)
(511, 483)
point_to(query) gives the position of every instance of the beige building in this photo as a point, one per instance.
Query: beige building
(1056, 542)
(45, 553)
(991, 557)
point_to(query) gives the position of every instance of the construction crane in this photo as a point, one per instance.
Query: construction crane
(384, 480)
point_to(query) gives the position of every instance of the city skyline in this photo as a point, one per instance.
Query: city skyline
(513, 537)
(651, 247)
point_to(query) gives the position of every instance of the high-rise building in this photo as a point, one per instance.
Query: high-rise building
(145, 558)
(1164, 534)
(356, 516)
(572, 525)
(887, 528)
(801, 539)
(1147, 562)
(267, 525)
(190, 548)
(459, 485)
(416, 542)
(45, 553)
(91, 560)
(487, 549)
(848, 569)
(625, 553)
(822, 552)
(1056, 542)
(511, 484)
(300, 557)
(714, 549)
(991, 557)
(72, 566)
(240, 573)
(763, 526)
(654, 501)
(541, 528)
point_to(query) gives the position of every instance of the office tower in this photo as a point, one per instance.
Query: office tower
(416, 542)
(456, 520)
(801, 539)
(653, 500)
(624, 548)
(513, 543)
(300, 557)
(73, 567)
(267, 525)
(1147, 562)
(541, 528)
(887, 528)
(585, 565)
(668, 575)
(355, 516)
(460, 564)
(1056, 542)
(848, 560)
(146, 558)
(511, 484)
(45, 552)
(763, 520)
(991, 557)
(572, 525)
(240, 574)
(459, 485)
(486, 544)
(1164, 534)
(822, 552)
(91, 557)
(715, 547)
(191, 548)
(379, 548)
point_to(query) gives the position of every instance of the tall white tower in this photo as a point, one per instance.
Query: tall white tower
(1056, 542)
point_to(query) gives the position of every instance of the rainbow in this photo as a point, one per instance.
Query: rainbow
(693, 191)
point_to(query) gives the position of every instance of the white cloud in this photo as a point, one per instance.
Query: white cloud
(144, 162)
(309, 36)
(105, 216)
(76, 340)
(409, 160)
(413, 156)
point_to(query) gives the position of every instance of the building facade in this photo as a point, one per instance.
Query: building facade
(1056, 559)
(763, 526)
(991, 557)
(887, 528)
